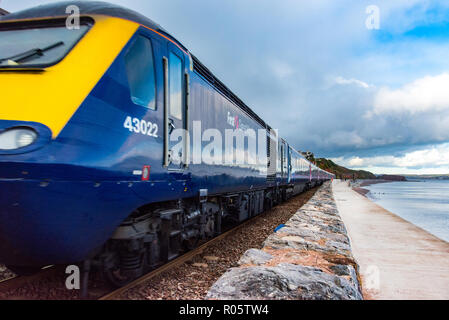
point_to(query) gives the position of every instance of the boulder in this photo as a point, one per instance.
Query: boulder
(284, 281)
(254, 257)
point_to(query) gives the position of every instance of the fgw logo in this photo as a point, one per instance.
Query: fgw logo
(233, 121)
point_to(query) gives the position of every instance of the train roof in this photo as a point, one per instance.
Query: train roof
(58, 9)
(86, 8)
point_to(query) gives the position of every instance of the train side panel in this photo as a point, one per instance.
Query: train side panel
(215, 114)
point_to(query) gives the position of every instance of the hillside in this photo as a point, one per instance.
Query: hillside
(342, 172)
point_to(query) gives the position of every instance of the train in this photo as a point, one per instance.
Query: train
(109, 145)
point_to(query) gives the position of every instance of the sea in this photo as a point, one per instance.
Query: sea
(425, 203)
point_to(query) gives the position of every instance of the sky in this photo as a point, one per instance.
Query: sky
(368, 93)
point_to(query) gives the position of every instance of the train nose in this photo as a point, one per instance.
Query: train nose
(21, 237)
(58, 222)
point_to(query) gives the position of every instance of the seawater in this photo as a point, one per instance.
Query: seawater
(424, 203)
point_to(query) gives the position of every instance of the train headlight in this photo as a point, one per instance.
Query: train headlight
(16, 138)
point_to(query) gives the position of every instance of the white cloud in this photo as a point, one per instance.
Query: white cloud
(422, 95)
(356, 162)
(352, 81)
(428, 160)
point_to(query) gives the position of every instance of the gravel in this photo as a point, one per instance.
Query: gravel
(5, 273)
(52, 287)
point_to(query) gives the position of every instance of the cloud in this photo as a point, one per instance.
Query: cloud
(343, 81)
(345, 138)
(425, 159)
(356, 162)
(422, 95)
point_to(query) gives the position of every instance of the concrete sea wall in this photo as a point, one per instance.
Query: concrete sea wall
(309, 258)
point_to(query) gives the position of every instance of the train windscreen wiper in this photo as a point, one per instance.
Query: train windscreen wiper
(17, 58)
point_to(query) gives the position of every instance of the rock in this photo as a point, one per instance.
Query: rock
(211, 258)
(254, 256)
(301, 232)
(285, 281)
(341, 269)
(287, 242)
(340, 247)
(200, 265)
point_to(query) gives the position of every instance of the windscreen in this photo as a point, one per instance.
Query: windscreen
(28, 45)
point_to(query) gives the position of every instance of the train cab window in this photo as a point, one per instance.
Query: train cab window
(140, 72)
(38, 44)
(175, 78)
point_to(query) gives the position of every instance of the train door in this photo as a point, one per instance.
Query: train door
(289, 165)
(272, 162)
(175, 109)
(281, 160)
(284, 161)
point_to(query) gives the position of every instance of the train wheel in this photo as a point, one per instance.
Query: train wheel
(120, 274)
(191, 243)
(117, 278)
(270, 204)
(209, 227)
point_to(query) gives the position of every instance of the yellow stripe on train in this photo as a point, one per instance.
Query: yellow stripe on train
(52, 97)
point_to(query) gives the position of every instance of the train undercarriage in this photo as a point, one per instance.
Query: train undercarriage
(156, 234)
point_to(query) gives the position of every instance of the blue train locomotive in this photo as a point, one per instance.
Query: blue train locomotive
(90, 166)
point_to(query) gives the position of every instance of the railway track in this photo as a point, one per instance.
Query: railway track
(19, 281)
(174, 263)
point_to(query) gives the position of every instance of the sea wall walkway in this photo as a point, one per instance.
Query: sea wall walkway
(397, 259)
